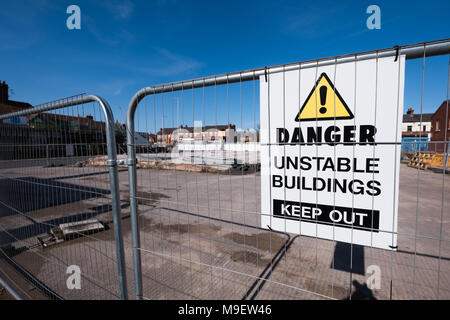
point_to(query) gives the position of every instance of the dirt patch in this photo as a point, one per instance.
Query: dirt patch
(19, 283)
(204, 168)
(264, 241)
(172, 189)
(97, 179)
(31, 261)
(145, 197)
(203, 228)
(249, 257)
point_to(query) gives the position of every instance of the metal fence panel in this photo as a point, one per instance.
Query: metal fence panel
(60, 209)
(196, 206)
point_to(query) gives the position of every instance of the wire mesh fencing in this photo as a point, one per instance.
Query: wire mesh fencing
(224, 189)
(57, 200)
(198, 185)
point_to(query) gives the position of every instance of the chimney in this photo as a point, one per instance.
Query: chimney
(410, 111)
(3, 92)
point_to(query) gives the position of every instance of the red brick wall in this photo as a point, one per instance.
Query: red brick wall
(5, 108)
(439, 135)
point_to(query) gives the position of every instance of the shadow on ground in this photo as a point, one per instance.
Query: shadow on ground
(29, 194)
(362, 292)
(348, 258)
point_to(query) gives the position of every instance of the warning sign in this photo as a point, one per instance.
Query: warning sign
(324, 103)
(329, 157)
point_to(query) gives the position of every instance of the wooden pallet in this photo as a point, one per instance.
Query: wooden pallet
(439, 159)
(421, 160)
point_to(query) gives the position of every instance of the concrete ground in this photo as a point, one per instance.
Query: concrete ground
(200, 238)
(18, 283)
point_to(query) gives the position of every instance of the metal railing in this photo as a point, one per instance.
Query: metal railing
(196, 228)
(196, 208)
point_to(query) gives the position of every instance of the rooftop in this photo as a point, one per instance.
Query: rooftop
(420, 117)
(426, 117)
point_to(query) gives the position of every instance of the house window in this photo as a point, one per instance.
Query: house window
(409, 128)
(438, 125)
(424, 128)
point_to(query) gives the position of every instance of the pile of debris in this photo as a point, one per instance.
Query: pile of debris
(100, 161)
(165, 165)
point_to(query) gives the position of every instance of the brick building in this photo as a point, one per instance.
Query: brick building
(440, 128)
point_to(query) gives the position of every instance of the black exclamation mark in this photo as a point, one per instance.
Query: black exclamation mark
(323, 99)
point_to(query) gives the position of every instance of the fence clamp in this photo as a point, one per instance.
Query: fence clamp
(397, 50)
(128, 162)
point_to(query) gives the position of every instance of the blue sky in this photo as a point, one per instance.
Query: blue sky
(125, 45)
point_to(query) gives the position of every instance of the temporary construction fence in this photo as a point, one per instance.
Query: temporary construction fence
(201, 197)
(201, 234)
(48, 200)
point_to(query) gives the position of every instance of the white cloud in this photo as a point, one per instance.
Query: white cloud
(109, 37)
(120, 9)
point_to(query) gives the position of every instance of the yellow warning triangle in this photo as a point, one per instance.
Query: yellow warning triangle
(324, 103)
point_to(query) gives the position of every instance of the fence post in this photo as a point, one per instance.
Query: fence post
(131, 161)
(115, 195)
